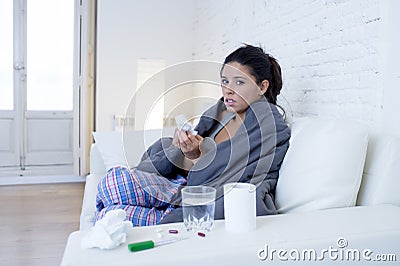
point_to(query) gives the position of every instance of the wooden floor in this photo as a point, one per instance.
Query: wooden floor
(35, 221)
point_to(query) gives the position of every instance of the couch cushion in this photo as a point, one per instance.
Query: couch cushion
(109, 144)
(126, 149)
(381, 179)
(323, 166)
(97, 165)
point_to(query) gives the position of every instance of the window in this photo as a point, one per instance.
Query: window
(6, 56)
(50, 54)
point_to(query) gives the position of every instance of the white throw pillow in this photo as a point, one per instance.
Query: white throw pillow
(110, 147)
(126, 149)
(381, 179)
(323, 165)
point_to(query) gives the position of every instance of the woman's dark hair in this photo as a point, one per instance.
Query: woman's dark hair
(262, 66)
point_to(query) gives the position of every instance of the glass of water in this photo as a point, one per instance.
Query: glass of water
(198, 206)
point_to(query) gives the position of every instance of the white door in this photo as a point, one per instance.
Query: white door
(36, 86)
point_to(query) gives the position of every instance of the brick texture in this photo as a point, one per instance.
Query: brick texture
(328, 50)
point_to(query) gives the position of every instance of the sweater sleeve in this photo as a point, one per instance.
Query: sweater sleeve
(162, 158)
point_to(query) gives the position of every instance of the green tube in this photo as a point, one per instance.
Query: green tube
(141, 246)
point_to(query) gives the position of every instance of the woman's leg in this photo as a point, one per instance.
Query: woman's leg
(139, 216)
(123, 187)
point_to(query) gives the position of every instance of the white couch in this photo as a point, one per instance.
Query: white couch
(335, 171)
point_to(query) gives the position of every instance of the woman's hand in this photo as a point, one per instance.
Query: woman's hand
(188, 143)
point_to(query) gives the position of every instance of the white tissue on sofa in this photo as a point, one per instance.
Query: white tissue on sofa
(109, 232)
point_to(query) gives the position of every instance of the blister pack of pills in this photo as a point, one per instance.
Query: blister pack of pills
(184, 124)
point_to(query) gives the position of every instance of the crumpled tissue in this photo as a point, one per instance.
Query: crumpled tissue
(109, 232)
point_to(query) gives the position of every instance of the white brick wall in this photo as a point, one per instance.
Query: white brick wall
(328, 50)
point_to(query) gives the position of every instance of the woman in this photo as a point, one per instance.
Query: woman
(242, 138)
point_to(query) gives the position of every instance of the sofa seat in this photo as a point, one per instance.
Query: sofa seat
(317, 230)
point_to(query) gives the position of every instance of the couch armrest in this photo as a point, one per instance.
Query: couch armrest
(97, 171)
(89, 201)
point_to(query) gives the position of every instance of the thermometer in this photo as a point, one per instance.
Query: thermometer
(150, 244)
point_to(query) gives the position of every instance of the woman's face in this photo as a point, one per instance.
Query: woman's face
(239, 87)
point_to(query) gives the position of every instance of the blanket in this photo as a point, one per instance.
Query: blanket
(254, 154)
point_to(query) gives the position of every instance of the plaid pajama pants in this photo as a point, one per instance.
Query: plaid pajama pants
(145, 197)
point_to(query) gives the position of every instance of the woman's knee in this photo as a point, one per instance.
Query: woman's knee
(115, 182)
(115, 173)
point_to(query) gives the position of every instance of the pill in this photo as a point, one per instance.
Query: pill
(201, 234)
(159, 230)
(159, 235)
(173, 231)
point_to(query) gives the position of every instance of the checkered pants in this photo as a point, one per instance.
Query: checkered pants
(146, 197)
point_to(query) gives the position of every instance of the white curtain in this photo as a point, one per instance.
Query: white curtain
(84, 86)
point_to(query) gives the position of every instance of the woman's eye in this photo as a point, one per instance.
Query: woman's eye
(239, 82)
(224, 81)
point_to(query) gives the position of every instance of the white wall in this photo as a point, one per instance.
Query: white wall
(131, 30)
(339, 57)
(390, 66)
(331, 52)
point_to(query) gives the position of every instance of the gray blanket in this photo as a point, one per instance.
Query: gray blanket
(253, 155)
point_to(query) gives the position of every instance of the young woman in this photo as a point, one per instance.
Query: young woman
(242, 138)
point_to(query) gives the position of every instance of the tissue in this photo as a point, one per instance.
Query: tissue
(240, 207)
(109, 232)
